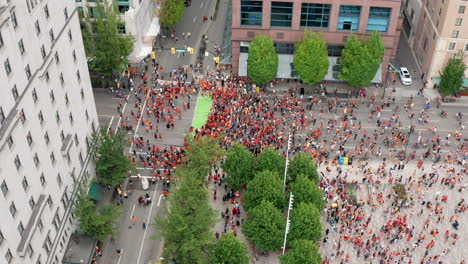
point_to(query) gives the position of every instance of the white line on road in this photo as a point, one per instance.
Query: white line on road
(194, 19)
(433, 120)
(133, 210)
(139, 120)
(120, 118)
(110, 123)
(178, 54)
(147, 224)
(160, 197)
(202, 5)
(120, 257)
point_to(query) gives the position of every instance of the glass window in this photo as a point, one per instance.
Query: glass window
(21, 46)
(4, 188)
(349, 17)
(461, 10)
(80, 12)
(451, 46)
(13, 19)
(284, 48)
(458, 21)
(315, 15)
(379, 18)
(335, 51)
(281, 14)
(7, 66)
(13, 209)
(455, 33)
(251, 13)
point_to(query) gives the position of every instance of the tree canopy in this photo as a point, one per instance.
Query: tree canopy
(186, 225)
(451, 78)
(112, 165)
(305, 223)
(107, 50)
(230, 250)
(303, 164)
(239, 166)
(266, 185)
(302, 251)
(264, 227)
(262, 63)
(100, 224)
(271, 160)
(306, 191)
(171, 12)
(202, 153)
(361, 59)
(311, 58)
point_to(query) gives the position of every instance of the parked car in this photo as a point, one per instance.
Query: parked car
(405, 77)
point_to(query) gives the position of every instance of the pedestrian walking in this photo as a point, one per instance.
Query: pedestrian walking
(143, 224)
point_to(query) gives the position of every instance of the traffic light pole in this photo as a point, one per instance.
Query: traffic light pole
(291, 198)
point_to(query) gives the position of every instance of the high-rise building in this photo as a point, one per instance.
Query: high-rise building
(139, 21)
(47, 118)
(439, 30)
(285, 21)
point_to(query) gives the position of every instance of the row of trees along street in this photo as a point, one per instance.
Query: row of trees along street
(260, 179)
(360, 60)
(112, 167)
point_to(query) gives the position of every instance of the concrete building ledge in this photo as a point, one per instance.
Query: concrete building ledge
(31, 227)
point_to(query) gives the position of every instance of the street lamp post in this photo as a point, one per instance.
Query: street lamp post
(287, 161)
(291, 198)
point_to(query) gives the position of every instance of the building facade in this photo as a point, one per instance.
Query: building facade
(285, 22)
(139, 20)
(441, 31)
(47, 118)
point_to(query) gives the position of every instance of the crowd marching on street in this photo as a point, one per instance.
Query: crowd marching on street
(379, 223)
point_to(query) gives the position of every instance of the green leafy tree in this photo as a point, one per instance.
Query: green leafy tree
(186, 226)
(305, 223)
(311, 58)
(202, 153)
(230, 250)
(302, 251)
(262, 63)
(306, 191)
(270, 160)
(107, 50)
(171, 12)
(239, 166)
(265, 227)
(266, 185)
(99, 223)
(112, 165)
(303, 164)
(361, 59)
(451, 78)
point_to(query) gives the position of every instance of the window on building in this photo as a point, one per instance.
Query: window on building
(70, 117)
(29, 138)
(315, 15)
(52, 96)
(47, 77)
(1, 40)
(7, 66)
(15, 93)
(425, 43)
(28, 72)
(121, 28)
(38, 27)
(9, 141)
(52, 157)
(25, 183)
(455, 33)
(251, 13)
(43, 52)
(80, 12)
(62, 136)
(42, 179)
(70, 36)
(34, 95)
(59, 180)
(20, 228)
(57, 58)
(36, 160)
(66, 98)
(281, 14)
(76, 140)
(40, 225)
(40, 117)
(80, 157)
(451, 46)
(21, 46)
(64, 199)
(47, 244)
(86, 115)
(82, 94)
(22, 116)
(284, 48)
(4, 188)
(12, 209)
(8, 256)
(65, 13)
(17, 162)
(379, 19)
(62, 80)
(56, 220)
(32, 203)
(2, 115)
(50, 202)
(461, 9)
(13, 19)
(57, 117)
(46, 11)
(46, 138)
(29, 251)
(458, 21)
(78, 76)
(349, 17)
(51, 34)
(1, 237)
(466, 47)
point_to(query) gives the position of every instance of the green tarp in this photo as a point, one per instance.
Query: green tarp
(95, 192)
